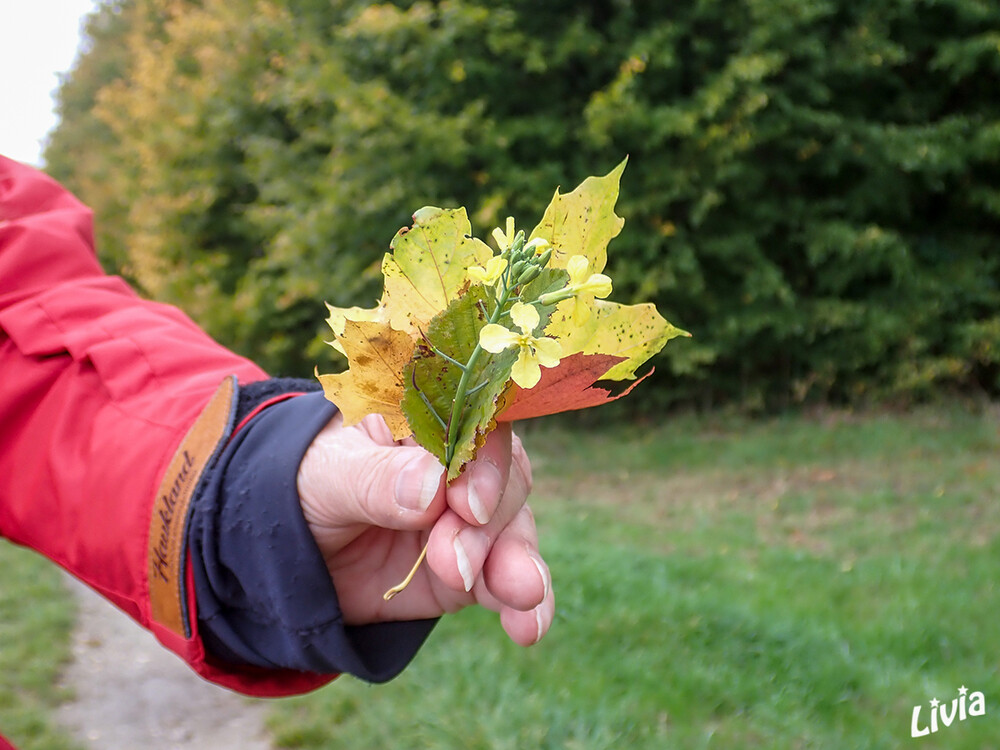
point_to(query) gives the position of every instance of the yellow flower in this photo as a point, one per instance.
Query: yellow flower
(539, 245)
(505, 239)
(534, 352)
(585, 287)
(495, 267)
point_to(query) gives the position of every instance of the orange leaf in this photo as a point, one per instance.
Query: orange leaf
(568, 387)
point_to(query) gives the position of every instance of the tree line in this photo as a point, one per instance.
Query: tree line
(812, 188)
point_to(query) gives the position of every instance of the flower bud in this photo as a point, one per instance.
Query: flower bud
(552, 298)
(517, 246)
(529, 274)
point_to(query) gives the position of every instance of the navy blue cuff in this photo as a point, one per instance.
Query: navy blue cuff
(264, 594)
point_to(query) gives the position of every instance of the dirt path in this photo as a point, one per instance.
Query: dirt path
(131, 693)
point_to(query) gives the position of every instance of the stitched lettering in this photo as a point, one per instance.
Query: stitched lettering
(168, 504)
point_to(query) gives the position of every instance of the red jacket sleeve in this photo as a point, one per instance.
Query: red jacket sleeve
(98, 389)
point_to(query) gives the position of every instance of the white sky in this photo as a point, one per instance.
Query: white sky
(38, 41)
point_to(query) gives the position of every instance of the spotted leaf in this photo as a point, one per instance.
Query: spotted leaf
(373, 384)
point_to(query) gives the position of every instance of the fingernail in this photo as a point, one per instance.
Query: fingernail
(470, 544)
(543, 572)
(484, 482)
(539, 624)
(418, 483)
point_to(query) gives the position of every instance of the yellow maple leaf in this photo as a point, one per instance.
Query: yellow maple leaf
(339, 316)
(635, 332)
(428, 266)
(583, 221)
(373, 384)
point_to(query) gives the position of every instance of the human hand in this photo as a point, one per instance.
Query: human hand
(372, 503)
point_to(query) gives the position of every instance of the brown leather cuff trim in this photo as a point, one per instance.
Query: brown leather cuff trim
(167, 525)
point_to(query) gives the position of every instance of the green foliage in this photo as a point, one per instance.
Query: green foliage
(812, 188)
(36, 616)
(82, 152)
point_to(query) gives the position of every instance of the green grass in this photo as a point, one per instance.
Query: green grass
(794, 583)
(36, 617)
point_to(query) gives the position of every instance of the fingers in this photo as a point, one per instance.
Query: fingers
(358, 475)
(457, 550)
(482, 546)
(476, 493)
(514, 572)
(528, 628)
(516, 576)
(499, 564)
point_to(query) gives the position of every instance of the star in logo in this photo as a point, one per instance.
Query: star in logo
(935, 703)
(963, 690)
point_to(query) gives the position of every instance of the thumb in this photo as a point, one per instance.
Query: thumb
(396, 486)
(347, 478)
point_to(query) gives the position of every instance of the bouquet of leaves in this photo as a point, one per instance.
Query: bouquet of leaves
(465, 337)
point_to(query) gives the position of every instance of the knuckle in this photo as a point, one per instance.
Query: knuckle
(373, 481)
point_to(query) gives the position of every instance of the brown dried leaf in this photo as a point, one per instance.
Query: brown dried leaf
(373, 385)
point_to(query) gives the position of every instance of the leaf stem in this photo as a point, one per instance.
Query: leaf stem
(454, 361)
(478, 387)
(409, 577)
(458, 405)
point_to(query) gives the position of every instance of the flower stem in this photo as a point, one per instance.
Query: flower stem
(458, 403)
(508, 284)
(455, 421)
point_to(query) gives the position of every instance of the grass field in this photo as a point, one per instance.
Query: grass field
(36, 616)
(795, 583)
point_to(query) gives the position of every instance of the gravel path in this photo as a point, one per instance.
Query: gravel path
(132, 693)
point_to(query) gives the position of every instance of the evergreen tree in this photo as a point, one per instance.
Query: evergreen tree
(812, 188)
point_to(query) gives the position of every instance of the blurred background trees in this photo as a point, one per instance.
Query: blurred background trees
(813, 187)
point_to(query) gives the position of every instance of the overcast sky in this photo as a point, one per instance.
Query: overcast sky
(38, 41)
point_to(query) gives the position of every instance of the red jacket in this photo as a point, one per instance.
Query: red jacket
(97, 389)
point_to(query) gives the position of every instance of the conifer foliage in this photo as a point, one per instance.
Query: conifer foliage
(813, 187)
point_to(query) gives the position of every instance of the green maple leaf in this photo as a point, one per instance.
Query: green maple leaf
(430, 382)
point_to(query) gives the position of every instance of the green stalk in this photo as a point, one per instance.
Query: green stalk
(458, 403)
